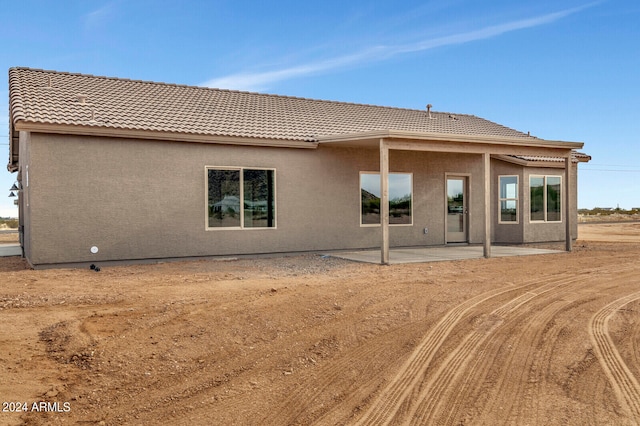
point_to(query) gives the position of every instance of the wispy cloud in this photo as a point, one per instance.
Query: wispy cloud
(99, 17)
(257, 81)
(487, 32)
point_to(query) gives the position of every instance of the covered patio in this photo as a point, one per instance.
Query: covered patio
(438, 254)
(484, 147)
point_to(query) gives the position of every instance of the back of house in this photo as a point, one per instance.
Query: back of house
(112, 169)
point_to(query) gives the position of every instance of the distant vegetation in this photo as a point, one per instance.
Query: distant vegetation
(8, 223)
(603, 211)
(600, 214)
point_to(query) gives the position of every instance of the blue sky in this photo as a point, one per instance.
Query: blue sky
(562, 69)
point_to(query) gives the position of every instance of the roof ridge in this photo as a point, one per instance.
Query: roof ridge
(247, 92)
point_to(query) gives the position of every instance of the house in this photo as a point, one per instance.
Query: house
(113, 169)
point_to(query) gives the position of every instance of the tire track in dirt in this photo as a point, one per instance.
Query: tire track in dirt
(390, 400)
(472, 388)
(564, 287)
(299, 402)
(624, 383)
(549, 300)
(538, 366)
(521, 380)
(446, 380)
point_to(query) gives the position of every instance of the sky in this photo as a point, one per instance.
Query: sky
(561, 69)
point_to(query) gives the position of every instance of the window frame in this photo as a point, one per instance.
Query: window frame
(544, 198)
(516, 199)
(242, 226)
(366, 225)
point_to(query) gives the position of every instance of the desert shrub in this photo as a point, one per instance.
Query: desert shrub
(11, 223)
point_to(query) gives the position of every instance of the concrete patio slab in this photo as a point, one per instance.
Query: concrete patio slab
(10, 250)
(438, 254)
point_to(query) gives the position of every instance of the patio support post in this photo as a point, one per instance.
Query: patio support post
(486, 159)
(568, 213)
(384, 201)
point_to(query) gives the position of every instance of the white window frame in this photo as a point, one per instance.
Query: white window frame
(367, 225)
(544, 203)
(516, 199)
(241, 183)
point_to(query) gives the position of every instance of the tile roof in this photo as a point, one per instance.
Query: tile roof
(576, 157)
(50, 97)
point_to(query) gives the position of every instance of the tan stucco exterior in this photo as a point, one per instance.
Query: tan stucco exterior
(139, 199)
(527, 231)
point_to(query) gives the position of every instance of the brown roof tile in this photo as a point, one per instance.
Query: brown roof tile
(576, 157)
(40, 96)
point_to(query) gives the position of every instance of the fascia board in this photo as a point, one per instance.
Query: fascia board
(14, 148)
(531, 164)
(495, 140)
(159, 135)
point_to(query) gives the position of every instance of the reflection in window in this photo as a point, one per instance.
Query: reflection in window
(508, 199)
(536, 185)
(553, 199)
(225, 190)
(546, 196)
(259, 208)
(400, 198)
(455, 205)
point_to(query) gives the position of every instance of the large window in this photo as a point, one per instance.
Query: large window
(240, 198)
(508, 199)
(546, 196)
(400, 198)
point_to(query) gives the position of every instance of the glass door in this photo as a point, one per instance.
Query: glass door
(457, 211)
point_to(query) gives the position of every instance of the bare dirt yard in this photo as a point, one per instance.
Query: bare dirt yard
(537, 340)
(7, 237)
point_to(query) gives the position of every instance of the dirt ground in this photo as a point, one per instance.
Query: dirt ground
(537, 340)
(8, 238)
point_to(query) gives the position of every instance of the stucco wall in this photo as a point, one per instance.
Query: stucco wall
(526, 231)
(146, 199)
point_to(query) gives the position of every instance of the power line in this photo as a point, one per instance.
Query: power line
(610, 165)
(609, 170)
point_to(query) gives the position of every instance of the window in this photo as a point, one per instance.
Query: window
(508, 199)
(400, 198)
(546, 196)
(240, 198)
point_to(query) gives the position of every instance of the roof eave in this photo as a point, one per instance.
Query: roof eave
(100, 131)
(525, 163)
(14, 145)
(481, 139)
(583, 158)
